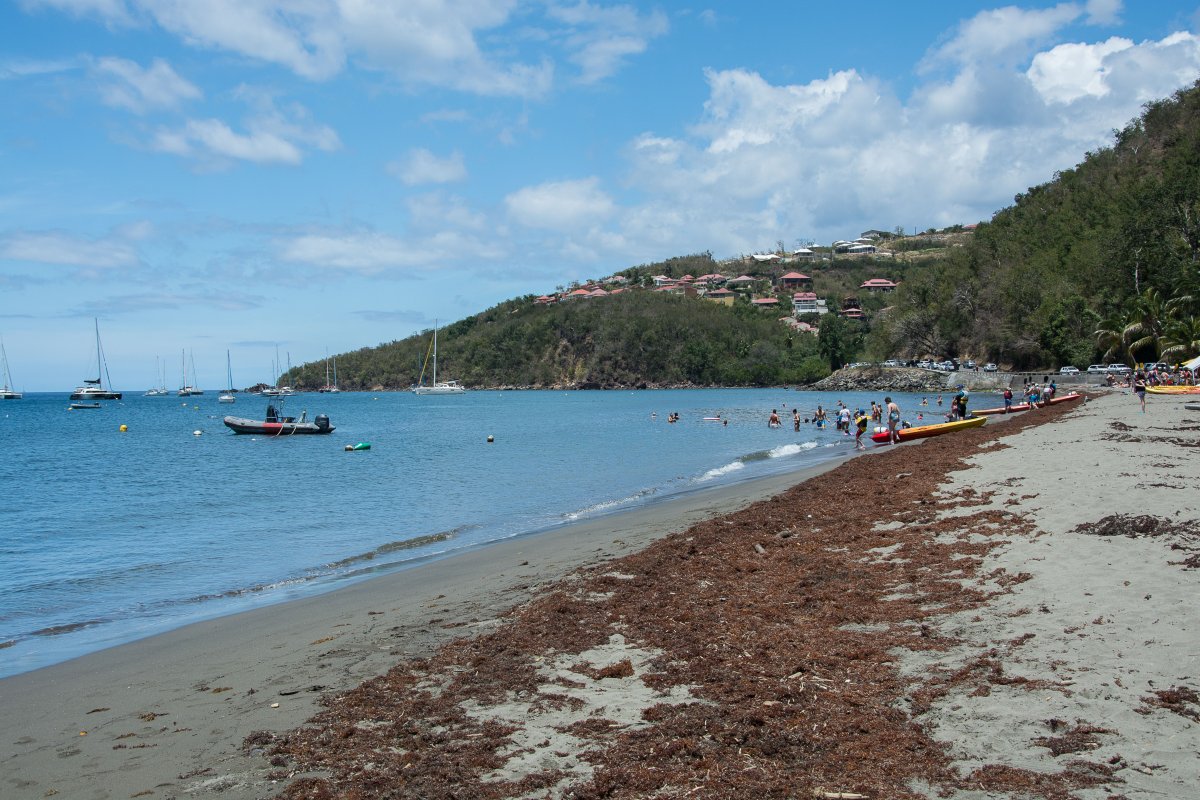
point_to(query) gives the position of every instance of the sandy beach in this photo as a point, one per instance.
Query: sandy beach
(1005, 612)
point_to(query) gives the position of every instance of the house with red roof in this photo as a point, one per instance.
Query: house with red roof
(794, 280)
(765, 302)
(808, 303)
(723, 296)
(878, 285)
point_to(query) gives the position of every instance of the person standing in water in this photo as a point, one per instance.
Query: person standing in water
(893, 419)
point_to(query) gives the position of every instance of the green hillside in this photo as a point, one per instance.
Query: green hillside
(636, 338)
(1109, 246)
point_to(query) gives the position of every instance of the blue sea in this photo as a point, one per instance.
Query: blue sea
(109, 536)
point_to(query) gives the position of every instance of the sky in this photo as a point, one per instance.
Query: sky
(318, 176)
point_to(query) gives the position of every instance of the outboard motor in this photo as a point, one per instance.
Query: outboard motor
(322, 421)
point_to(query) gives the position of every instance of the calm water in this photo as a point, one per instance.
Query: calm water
(106, 536)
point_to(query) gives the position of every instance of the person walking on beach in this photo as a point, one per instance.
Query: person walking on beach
(960, 401)
(1139, 388)
(893, 419)
(1008, 395)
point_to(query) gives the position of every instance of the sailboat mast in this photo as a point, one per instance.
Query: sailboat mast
(435, 352)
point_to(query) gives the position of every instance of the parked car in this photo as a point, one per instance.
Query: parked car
(948, 365)
(1161, 366)
(1118, 369)
(1094, 369)
(1068, 371)
(990, 367)
(925, 364)
(891, 362)
(970, 365)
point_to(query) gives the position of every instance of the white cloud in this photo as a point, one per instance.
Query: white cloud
(272, 135)
(66, 249)
(835, 156)
(125, 84)
(301, 36)
(600, 39)
(421, 166)
(1071, 71)
(369, 252)
(11, 69)
(1004, 34)
(562, 205)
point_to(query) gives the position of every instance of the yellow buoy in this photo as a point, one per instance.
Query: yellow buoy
(124, 428)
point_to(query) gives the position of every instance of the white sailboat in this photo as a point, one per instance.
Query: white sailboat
(188, 389)
(444, 387)
(227, 395)
(8, 392)
(160, 372)
(93, 388)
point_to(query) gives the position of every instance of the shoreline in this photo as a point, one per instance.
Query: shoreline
(997, 628)
(228, 671)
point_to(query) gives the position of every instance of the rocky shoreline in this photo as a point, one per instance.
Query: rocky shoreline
(906, 379)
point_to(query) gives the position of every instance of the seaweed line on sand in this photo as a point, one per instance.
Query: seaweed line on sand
(751, 655)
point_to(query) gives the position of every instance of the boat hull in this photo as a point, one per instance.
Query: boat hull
(286, 427)
(988, 412)
(98, 394)
(925, 431)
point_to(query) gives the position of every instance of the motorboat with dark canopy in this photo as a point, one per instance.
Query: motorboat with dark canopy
(277, 425)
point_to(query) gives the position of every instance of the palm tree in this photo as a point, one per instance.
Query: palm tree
(1181, 339)
(1113, 337)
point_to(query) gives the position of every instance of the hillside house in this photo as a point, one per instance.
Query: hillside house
(803, 254)
(545, 300)
(794, 280)
(808, 303)
(722, 296)
(878, 285)
(765, 302)
(741, 282)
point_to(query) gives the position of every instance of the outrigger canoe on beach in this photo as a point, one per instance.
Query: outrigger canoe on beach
(923, 431)
(987, 412)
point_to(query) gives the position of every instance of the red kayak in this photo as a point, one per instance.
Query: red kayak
(1066, 398)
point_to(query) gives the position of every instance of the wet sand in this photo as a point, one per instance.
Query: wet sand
(1005, 612)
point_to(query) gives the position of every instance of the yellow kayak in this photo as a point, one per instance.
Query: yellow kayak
(922, 431)
(1173, 389)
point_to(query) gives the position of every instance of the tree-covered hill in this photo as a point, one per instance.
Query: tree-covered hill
(635, 338)
(1111, 245)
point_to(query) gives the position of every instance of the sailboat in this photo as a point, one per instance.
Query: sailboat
(93, 388)
(330, 388)
(188, 389)
(227, 395)
(161, 389)
(8, 392)
(444, 387)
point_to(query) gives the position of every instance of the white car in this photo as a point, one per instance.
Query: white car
(990, 367)
(891, 362)
(1118, 369)
(1068, 371)
(1097, 369)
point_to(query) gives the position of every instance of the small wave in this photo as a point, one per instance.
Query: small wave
(607, 505)
(785, 450)
(719, 472)
(59, 630)
(392, 547)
